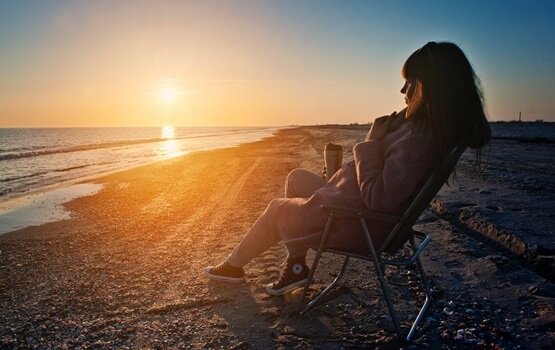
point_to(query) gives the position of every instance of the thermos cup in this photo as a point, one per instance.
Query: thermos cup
(333, 158)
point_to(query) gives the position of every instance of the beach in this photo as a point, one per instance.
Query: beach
(125, 271)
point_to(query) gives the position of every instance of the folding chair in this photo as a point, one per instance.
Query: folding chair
(401, 233)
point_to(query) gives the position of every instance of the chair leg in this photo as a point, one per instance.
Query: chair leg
(422, 275)
(314, 302)
(426, 304)
(377, 267)
(323, 242)
(300, 309)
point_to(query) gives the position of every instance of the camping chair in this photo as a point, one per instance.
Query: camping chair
(401, 233)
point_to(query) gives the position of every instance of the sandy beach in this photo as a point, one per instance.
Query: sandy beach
(126, 270)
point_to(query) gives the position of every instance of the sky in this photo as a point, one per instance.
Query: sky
(239, 63)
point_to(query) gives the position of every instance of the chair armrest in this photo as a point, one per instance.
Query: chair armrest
(358, 213)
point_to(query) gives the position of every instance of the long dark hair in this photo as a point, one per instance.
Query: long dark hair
(447, 98)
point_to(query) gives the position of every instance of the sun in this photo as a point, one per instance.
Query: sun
(168, 132)
(168, 94)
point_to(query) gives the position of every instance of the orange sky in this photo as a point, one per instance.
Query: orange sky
(104, 63)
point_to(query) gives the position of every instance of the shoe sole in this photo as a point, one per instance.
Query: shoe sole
(223, 278)
(288, 288)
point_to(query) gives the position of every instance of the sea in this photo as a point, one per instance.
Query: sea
(35, 158)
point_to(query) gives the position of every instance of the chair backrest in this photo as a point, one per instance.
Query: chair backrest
(403, 230)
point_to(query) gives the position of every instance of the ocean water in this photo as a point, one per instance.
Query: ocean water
(31, 159)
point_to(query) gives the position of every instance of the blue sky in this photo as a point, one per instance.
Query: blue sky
(69, 63)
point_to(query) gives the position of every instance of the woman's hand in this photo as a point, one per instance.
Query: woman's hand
(385, 124)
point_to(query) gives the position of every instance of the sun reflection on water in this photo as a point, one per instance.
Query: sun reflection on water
(168, 148)
(168, 132)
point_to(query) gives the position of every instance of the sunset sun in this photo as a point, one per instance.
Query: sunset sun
(168, 94)
(168, 132)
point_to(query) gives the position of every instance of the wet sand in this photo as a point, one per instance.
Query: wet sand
(126, 270)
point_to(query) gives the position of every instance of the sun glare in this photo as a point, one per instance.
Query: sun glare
(168, 94)
(168, 132)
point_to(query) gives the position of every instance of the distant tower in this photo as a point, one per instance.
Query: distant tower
(519, 117)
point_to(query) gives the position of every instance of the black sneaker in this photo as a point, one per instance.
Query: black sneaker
(225, 272)
(292, 277)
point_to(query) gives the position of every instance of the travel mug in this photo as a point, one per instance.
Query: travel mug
(333, 159)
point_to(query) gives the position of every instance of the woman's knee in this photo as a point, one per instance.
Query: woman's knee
(295, 175)
(302, 183)
(274, 203)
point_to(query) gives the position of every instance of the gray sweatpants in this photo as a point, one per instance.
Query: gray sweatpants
(262, 235)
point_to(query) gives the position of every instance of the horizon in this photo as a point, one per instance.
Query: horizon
(256, 63)
(244, 126)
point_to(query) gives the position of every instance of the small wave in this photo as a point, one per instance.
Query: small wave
(5, 191)
(71, 168)
(35, 153)
(8, 179)
(22, 148)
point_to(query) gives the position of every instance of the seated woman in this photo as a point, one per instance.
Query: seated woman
(444, 109)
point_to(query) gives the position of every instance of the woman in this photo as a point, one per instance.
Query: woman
(444, 109)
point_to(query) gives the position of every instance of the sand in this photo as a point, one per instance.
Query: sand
(126, 270)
